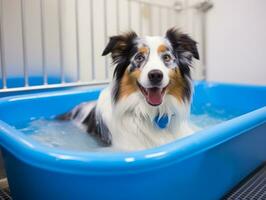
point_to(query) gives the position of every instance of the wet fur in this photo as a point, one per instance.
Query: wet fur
(121, 117)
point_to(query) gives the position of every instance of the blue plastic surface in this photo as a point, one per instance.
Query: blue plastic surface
(202, 166)
(14, 82)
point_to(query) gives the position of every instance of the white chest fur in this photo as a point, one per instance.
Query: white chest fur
(131, 121)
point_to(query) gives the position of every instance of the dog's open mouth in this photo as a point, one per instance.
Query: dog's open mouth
(154, 96)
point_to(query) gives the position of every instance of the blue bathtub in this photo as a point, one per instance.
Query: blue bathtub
(202, 166)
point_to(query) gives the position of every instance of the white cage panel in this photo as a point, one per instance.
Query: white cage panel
(61, 41)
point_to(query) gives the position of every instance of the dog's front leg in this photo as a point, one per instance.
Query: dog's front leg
(87, 115)
(97, 127)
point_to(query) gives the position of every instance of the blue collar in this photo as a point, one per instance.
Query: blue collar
(161, 122)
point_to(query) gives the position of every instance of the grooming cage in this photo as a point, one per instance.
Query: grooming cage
(51, 44)
(49, 49)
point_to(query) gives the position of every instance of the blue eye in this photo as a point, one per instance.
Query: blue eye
(139, 58)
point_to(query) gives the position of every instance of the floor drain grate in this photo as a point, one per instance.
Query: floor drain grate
(4, 195)
(253, 187)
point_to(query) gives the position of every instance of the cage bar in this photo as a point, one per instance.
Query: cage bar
(2, 48)
(44, 67)
(129, 14)
(92, 41)
(105, 36)
(24, 48)
(60, 36)
(53, 86)
(117, 16)
(160, 20)
(140, 18)
(77, 38)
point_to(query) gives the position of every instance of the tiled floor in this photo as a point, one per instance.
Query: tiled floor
(252, 187)
(4, 195)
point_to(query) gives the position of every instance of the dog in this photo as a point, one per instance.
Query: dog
(147, 103)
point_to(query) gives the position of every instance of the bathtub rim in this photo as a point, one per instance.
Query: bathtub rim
(67, 161)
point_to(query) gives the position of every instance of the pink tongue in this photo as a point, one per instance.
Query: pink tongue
(154, 96)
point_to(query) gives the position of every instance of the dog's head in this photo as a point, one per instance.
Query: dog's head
(155, 66)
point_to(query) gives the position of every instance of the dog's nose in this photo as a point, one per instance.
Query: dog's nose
(155, 76)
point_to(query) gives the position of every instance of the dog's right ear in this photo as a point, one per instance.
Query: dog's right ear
(120, 45)
(113, 42)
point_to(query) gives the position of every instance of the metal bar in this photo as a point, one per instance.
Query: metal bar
(51, 86)
(92, 41)
(24, 48)
(77, 38)
(105, 36)
(160, 20)
(168, 17)
(186, 14)
(203, 44)
(149, 5)
(202, 8)
(61, 48)
(2, 48)
(150, 21)
(129, 14)
(153, 4)
(117, 16)
(43, 43)
(140, 18)
(177, 20)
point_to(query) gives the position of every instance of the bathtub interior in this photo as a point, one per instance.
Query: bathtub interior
(229, 97)
(224, 101)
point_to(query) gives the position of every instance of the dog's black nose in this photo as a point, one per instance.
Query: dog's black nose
(155, 76)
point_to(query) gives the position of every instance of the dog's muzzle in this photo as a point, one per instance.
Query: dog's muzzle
(154, 95)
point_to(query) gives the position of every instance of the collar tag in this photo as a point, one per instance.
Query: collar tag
(161, 122)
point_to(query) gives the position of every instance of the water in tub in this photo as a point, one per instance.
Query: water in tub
(66, 135)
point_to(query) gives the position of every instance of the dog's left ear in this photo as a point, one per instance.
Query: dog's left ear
(183, 45)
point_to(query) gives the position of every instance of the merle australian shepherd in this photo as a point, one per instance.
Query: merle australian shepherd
(148, 101)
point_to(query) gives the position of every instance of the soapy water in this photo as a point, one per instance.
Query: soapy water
(60, 134)
(67, 135)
